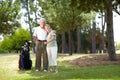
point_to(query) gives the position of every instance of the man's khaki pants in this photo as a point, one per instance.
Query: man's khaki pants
(41, 52)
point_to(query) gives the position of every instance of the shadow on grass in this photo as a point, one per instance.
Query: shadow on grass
(76, 73)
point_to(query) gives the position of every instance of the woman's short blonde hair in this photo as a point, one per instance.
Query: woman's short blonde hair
(48, 25)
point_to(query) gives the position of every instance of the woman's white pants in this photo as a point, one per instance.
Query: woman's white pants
(52, 55)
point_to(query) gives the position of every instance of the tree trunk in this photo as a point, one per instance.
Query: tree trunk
(94, 38)
(103, 27)
(30, 26)
(111, 46)
(78, 41)
(64, 46)
(70, 42)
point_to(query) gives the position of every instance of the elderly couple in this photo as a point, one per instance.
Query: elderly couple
(46, 47)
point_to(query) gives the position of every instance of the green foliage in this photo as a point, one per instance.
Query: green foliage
(6, 44)
(19, 38)
(32, 9)
(9, 15)
(15, 41)
(117, 46)
(63, 15)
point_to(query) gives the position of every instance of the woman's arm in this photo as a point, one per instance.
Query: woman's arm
(51, 39)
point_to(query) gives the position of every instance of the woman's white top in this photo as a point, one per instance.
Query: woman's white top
(53, 43)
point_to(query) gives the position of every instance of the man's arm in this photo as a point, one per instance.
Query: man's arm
(36, 40)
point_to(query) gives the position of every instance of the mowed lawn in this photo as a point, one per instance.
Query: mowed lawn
(9, 70)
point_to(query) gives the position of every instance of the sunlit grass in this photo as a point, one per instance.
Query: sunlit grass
(9, 70)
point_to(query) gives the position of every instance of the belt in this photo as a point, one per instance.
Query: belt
(42, 40)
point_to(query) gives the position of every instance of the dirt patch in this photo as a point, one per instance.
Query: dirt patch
(93, 60)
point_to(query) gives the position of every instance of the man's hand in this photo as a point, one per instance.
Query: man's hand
(37, 42)
(45, 42)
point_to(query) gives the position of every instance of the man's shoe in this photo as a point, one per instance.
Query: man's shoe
(36, 70)
(50, 70)
(44, 70)
(56, 71)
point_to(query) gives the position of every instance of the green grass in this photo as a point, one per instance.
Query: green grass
(9, 70)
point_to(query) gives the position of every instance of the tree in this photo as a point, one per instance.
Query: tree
(103, 22)
(6, 44)
(9, 15)
(28, 5)
(14, 42)
(107, 6)
(64, 44)
(94, 38)
(116, 6)
(111, 46)
(19, 37)
(78, 41)
(62, 14)
(66, 11)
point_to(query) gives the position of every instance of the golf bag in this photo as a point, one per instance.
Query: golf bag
(25, 63)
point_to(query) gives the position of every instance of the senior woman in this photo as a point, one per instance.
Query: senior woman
(51, 48)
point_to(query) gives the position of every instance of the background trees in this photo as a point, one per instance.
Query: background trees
(72, 6)
(14, 42)
(74, 21)
(9, 15)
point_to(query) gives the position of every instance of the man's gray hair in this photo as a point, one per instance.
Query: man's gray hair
(43, 19)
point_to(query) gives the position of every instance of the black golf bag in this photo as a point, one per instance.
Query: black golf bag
(25, 63)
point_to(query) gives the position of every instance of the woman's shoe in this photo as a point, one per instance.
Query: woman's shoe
(50, 69)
